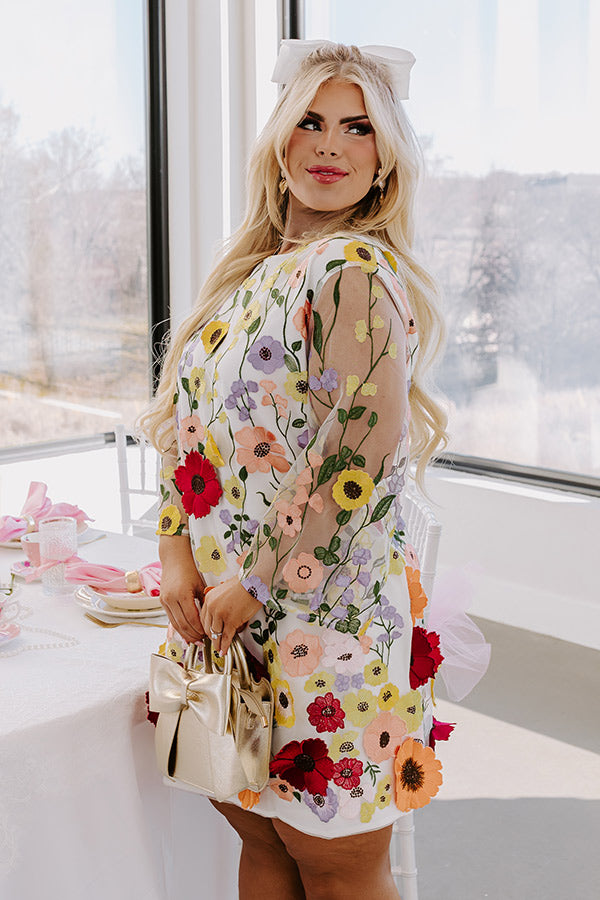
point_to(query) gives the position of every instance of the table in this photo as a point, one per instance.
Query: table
(84, 814)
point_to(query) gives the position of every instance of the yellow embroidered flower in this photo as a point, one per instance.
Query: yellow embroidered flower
(248, 283)
(291, 264)
(369, 389)
(366, 811)
(391, 259)
(388, 697)
(167, 473)
(169, 521)
(248, 316)
(343, 744)
(378, 292)
(174, 651)
(268, 283)
(383, 792)
(378, 322)
(396, 562)
(376, 672)
(213, 334)
(211, 451)
(271, 658)
(360, 331)
(235, 491)
(162, 650)
(352, 384)
(361, 708)
(209, 556)
(393, 350)
(198, 381)
(284, 703)
(319, 683)
(296, 385)
(356, 251)
(410, 708)
(222, 416)
(352, 489)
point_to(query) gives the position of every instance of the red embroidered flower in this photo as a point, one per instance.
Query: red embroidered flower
(347, 772)
(425, 656)
(325, 713)
(197, 479)
(305, 765)
(440, 731)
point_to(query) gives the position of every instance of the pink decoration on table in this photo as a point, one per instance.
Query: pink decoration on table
(466, 652)
(112, 579)
(37, 506)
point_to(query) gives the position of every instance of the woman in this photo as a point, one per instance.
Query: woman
(285, 408)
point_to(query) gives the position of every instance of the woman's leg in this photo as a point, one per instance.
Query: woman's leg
(267, 872)
(350, 868)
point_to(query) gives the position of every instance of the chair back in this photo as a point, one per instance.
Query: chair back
(424, 532)
(138, 478)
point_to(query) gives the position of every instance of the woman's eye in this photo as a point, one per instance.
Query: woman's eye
(309, 124)
(360, 128)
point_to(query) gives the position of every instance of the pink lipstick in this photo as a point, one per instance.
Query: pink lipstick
(326, 174)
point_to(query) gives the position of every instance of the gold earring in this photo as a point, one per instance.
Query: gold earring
(283, 185)
(380, 182)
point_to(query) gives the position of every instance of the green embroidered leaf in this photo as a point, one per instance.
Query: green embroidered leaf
(255, 624)
(353, 610)
(343, 517)
(249, 560)
(382, 508)
(258, 638)
(254, 327)
(333, 263)
(180, 529)
(353, 625)
(359, 461)
(273, 543)
(341, 626)
(342, 416)
(356, 412)
(194, 404)
(345, 452)
(336, 291)
(267, 530)
(291, 363)
(325, 607)
(185, 384)
(275, 293)
(280, 594)
(320, 552)
(373, 419)
(334, 543)
(272, 626)
(296, 346)
(379, 475)
(340, 464)
(243, 473)
(247, 299)
(327, 469)
(175, 398)
(298, 423)
(317, 332)
(330, 558)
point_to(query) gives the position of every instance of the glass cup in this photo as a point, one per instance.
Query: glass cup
(58, 542)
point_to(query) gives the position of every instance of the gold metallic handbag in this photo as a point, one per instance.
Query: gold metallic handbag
(214, 726)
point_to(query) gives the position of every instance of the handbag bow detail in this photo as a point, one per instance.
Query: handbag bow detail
(172, 688)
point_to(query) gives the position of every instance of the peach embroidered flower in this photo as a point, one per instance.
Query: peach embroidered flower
(383, 736)
(288, 517)
(191, 432)
(248, 798)
(259, 451)
(283, 790)
(300, 653)
(303, 573)
(418, 597)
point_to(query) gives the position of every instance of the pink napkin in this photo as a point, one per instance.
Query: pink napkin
(37, 506)
(111, 579)
(465, 650)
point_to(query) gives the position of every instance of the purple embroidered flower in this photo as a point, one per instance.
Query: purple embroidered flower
(252, 386)
(395, 634)
(316, 600)
(382, 638)
(342, 580)
(361, 556)
(226, 517)
(364, 578)
(230, 401)
(250, 403)
(257, 588)
(324, 806)
(238, 388)
(342, 682)
(303, 439)
(357, 680)
(230, 546)
(328, 381)
(251, 525)
(244, 414)
(304, 617)
(347, 597)
(266, 354)
(339, 612)
(396, 483)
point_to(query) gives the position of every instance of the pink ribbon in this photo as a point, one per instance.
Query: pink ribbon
(37, 506)
(104, 578)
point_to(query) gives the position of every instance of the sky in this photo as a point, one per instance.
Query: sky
(498, 84)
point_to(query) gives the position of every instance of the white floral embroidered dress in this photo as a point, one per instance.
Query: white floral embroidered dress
(292, 420)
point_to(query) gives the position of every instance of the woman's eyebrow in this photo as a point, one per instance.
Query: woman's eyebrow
(343, 121)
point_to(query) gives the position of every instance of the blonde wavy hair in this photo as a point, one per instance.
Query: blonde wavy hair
(387, 219)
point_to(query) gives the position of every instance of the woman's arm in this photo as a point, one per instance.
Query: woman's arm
(181, 586)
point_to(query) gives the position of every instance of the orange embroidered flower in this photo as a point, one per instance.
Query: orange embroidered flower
(288, 517)
(259, 450)
(248, 798)
(283, 790)
(300, 653)
(418, 597)
(418, 775)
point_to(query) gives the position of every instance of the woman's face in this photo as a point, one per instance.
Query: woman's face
(331, 156)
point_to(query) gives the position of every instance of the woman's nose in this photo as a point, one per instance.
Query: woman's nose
(327, 146)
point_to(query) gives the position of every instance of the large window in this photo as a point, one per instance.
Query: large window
(505, 97)
(73, 258)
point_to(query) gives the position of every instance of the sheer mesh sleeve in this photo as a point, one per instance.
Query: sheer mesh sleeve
(172, 518)
(319, 540)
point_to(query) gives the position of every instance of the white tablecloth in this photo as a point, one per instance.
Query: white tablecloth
(84, 814)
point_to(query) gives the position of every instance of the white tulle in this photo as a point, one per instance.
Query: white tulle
(466, 651)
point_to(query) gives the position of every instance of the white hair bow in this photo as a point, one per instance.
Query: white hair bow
(293, 51)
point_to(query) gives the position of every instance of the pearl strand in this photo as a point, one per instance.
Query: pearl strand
(66, 641)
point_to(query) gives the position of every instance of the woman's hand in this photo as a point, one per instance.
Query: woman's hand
(181, 586)
(226, 609)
